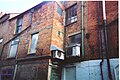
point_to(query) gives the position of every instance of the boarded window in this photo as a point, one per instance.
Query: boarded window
(75, 39)
(71, 14)
(59, 10)
(14, 46)
(19, 25)
(33, 45)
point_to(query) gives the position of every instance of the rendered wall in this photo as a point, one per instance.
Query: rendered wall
(90, 70)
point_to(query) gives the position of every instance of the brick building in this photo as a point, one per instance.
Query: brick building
(55, 40)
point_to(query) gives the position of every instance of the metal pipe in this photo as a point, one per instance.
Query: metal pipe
(15, 70)
(101, 63)
(87, 27)
(99, 29)
(64, 42)
(82, 5)
(105, 36)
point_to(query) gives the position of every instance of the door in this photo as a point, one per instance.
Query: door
(70, 73)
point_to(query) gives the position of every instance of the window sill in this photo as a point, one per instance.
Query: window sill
(70, 23)
(15, 34)
(9, 58)
(31, 54)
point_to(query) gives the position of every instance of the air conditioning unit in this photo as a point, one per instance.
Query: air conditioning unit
(73, 50)
(58, 54)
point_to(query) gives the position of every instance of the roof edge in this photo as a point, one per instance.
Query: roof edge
(35, 7)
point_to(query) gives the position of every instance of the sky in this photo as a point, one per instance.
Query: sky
(17, 6)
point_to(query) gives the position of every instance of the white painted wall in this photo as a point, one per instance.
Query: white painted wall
(90, 70)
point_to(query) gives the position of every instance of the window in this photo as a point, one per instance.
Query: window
(19, 25)
(71, 14)
(14, 46)
(31, 16)
(6, 74)
(59, 10)
(75, 39)
(1, 40)
(33, 45)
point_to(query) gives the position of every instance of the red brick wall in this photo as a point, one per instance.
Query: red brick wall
(92, 45)
(42, 23)
(91, 27)
(74, 27)
(49, 23)
(111, 10)
(32, 70)
(58, 26)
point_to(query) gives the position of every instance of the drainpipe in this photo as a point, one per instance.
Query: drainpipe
(82, 5)
(87, 33)
(100, 41)
(15, 70)
(106, 43)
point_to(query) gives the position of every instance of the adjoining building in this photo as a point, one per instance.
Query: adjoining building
(61, 40)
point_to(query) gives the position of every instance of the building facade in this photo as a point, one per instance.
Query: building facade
(61, 40)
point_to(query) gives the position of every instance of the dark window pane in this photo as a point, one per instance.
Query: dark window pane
(75, 39)
(4, 71)
(19, 25)
(19, 22)
(9, 71)
(78, 38)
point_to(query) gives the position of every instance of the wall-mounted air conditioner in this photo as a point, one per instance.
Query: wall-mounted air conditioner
(73, 50)
(58, 54)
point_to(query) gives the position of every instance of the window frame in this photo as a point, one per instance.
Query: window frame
(13, 43)
(69, 19)
(74, 36)
(30, 44)
(18, 25)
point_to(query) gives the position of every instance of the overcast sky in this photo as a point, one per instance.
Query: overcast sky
(17, 6)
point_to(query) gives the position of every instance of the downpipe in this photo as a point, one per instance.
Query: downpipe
(15, 70)
(82, 5)
(100, 43)
(106, 43)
